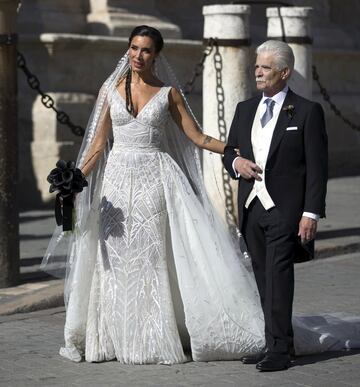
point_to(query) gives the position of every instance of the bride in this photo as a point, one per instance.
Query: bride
(150, 270)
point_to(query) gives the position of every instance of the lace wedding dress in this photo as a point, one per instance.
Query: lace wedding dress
(161, 275)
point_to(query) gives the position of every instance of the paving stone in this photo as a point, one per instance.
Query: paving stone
(29, 343)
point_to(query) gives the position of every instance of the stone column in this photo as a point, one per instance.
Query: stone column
(293, 25)
(230, 25)
(9, 217)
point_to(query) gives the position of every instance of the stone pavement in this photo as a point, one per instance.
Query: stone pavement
(30, 344)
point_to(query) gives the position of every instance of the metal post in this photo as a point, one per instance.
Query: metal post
(226, 82)
(9, 218)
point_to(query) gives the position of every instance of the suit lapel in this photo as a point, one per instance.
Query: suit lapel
(281, 124)
(248, 123)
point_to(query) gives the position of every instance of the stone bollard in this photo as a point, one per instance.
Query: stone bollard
(293, 25)
(230, 25)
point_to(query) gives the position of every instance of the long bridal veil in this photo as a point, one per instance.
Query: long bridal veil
(61, 254)
(73, 255)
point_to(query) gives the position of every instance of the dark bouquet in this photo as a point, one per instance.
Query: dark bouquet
(68, 180)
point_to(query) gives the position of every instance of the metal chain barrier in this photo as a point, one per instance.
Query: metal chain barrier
(46, 99)
(77, 130)
(220, 96)
(199, 67)
(326, 97)
(64, 118)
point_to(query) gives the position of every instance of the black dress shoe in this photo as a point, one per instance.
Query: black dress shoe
(274, 362)
(253, 359)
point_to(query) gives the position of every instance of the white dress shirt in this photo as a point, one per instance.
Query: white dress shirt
(261, 139)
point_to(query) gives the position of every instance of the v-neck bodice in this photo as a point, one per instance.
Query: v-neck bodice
(146, 129)
(147, 103)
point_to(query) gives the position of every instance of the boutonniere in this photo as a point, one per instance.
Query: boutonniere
(289, 109)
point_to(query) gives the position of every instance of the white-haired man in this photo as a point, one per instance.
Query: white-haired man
(282, 173)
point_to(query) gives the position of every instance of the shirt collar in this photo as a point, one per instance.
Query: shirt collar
(278, 98)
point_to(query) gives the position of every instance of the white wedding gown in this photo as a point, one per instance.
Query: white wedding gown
(162, 280)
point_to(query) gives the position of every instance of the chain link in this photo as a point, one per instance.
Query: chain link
(220, 96)
(199, 67)
(46, 99)
(327, 98)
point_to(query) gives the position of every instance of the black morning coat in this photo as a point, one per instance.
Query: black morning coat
(297, 164)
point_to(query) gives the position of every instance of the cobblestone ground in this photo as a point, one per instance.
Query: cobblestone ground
(30, 342)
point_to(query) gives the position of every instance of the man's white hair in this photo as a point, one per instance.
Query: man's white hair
(284, 56)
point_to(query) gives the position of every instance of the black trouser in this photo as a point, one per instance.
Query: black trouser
(271, 244)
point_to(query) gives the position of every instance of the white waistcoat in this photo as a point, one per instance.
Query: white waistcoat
(261, 140)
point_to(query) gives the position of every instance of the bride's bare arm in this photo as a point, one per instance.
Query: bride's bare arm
(98, 143)
(185, 122)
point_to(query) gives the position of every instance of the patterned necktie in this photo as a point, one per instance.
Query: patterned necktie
(269, 112)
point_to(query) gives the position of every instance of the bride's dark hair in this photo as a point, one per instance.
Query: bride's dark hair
(156, 37)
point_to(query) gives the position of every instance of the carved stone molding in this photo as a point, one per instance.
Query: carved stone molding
(119, 17)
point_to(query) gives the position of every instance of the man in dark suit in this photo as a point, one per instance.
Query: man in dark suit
(282, 173)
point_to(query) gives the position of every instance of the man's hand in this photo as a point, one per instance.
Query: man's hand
(307, 229)
(247, 169)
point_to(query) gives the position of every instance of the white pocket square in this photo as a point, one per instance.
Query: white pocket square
(292, 128)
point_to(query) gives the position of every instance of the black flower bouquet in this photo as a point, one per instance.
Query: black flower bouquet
(68, 180)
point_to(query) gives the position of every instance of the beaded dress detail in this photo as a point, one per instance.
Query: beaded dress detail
(161, 276)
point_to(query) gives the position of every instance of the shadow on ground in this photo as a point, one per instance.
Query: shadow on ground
(318, 358)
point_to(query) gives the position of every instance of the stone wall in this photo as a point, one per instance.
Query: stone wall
(338, 71)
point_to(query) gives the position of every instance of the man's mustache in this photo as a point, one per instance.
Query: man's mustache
(258, 79)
